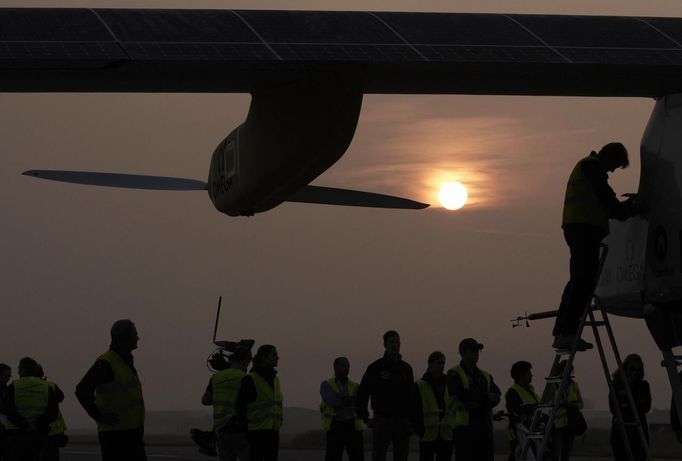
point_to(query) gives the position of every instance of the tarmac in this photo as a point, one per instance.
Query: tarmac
(91, 453)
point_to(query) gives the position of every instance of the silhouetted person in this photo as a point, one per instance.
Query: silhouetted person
(588, 205)
(562, 437)
(434, 412)
(641, 394)
(30, 406)
(674, 420)
(56, 437)
(222, 392)
(340, 419)
(111, 393)
(475, 394)
(259, 403)
(521, 402)
(5, 375)
(389, 383)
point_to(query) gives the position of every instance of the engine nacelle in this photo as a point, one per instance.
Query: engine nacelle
(292, 134)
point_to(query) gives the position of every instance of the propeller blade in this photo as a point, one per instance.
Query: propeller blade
(347, 197)
(130, 181)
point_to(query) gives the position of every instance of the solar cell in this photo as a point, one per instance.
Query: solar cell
(63, 52)
(319, 27)
(489, 54)
(672, 27)
(177, 26)
(459, 29)
(211, 52)
(594, 31)
(615, 56)
(348, 53)
(23, 24)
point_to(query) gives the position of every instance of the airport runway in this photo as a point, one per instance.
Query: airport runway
(91, 453)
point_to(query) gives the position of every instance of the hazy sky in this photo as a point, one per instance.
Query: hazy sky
(316, 281)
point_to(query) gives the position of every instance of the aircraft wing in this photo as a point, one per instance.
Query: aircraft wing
(128, 50)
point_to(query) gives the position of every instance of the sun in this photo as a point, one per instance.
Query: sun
(453, 195)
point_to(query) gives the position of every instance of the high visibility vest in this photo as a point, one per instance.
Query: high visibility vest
(561, 418)
(122, 396)
(435, 423)
(58, 426)
(31, 397)
(266, 411)
(226, 385)
(328, 412)
(527, 398)
(581, 203)
(460, 411)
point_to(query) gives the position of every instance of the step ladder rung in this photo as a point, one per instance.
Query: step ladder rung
(554, 379)
(543, 407)
(596, 323)
(535, 435)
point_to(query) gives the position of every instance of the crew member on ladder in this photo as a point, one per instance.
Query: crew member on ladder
(111, 394)
(340, 419)
(521, 402)
(30, 406)
(475, 396)
(222, 392)
(588, 205)
(260, 403)
(434, 412)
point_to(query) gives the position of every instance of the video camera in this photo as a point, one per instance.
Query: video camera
(228, 351)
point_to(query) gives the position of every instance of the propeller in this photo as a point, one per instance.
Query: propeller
(130, 181)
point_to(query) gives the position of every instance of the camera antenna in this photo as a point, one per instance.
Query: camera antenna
(217, 316)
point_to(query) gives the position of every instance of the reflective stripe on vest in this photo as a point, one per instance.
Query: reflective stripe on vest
(122, 396)
(581, 203)
(31, 396)
(527, 398)
(561, 419)
(226, 385)
(328, 412)
(266, 411)
(460, 411)
(434, 423)
(58, 426)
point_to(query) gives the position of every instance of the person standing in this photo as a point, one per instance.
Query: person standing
(641, 394)
(259, 403)
(340, 419)
(475, 394)
(222, 392)
(56, 437)
(434, 412)
(5, 376)
(389, 383)
(30, 406)
(521, 402)
(562, 436)
(111, 394)
(588, 205)
(674, 419)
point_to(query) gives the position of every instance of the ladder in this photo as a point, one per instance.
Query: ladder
(556, 386)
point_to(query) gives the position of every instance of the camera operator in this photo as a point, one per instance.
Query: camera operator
(222, 392)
